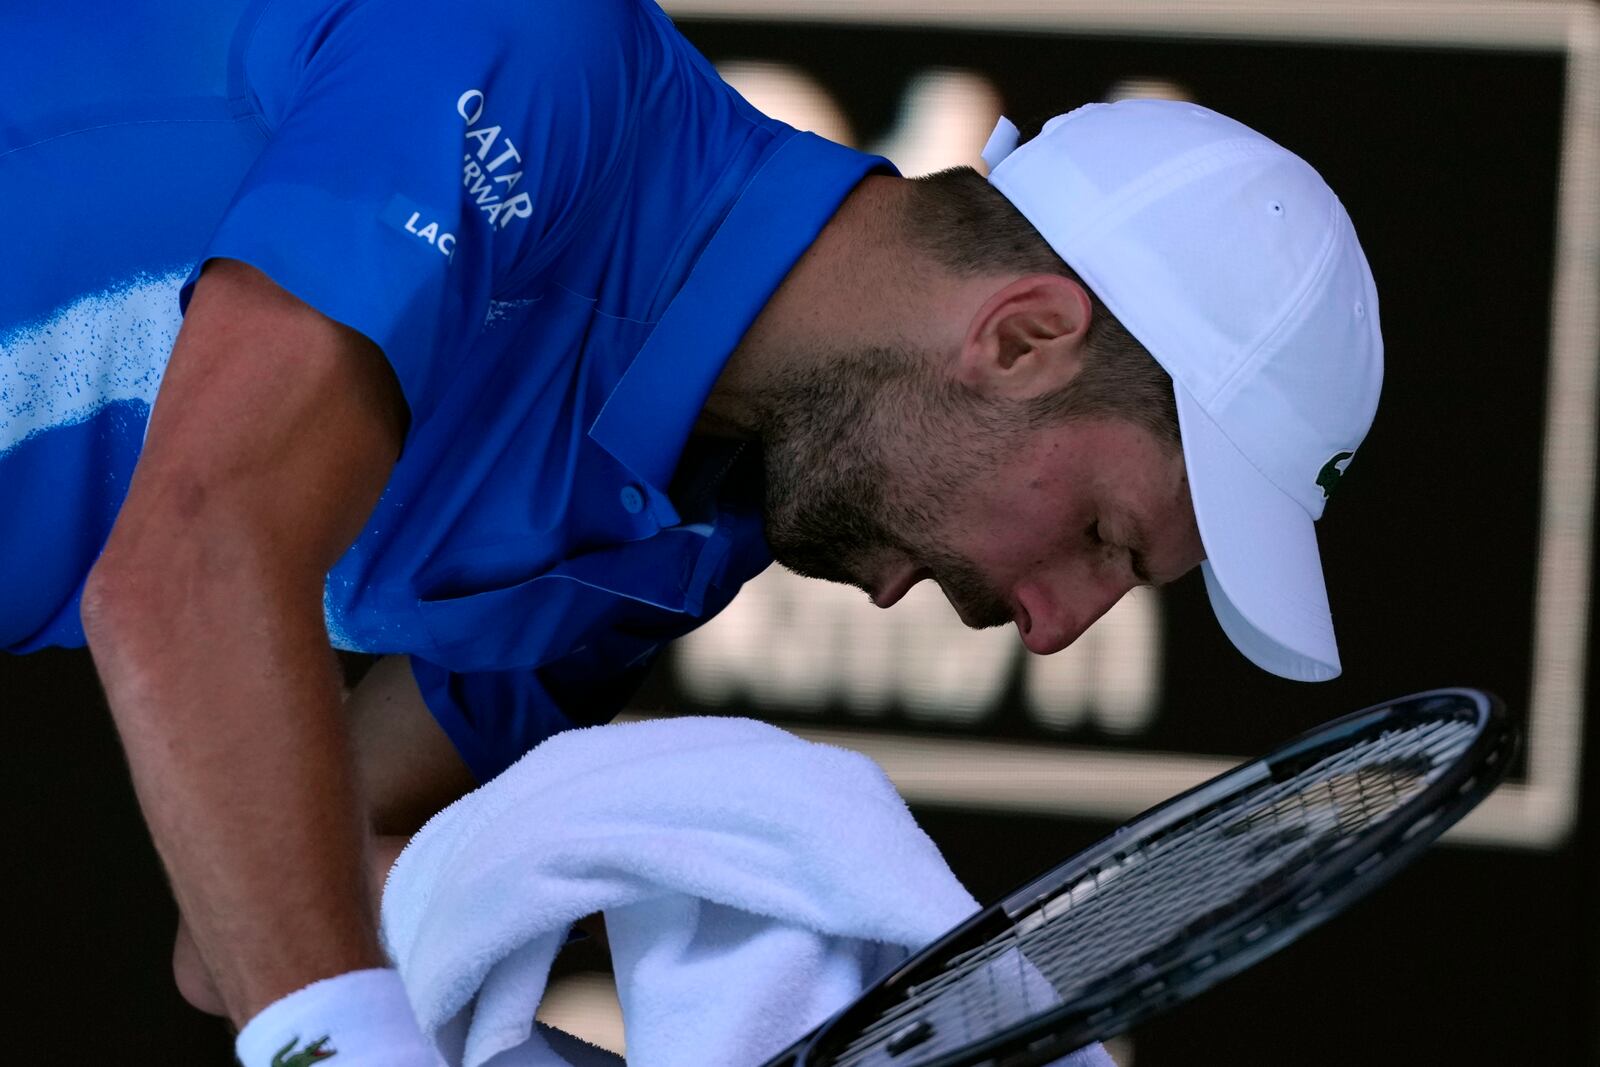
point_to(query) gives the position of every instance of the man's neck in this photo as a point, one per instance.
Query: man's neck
(845, 289)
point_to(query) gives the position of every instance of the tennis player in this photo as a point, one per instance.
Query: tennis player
(508, 340)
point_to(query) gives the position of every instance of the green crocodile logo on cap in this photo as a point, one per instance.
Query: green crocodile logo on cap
(287, 1057)
(1328, 477)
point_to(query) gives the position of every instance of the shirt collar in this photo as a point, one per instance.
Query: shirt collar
(648, 416)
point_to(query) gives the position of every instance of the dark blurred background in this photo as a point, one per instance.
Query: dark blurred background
(1458, 551)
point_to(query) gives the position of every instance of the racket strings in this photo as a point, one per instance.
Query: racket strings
(1189, 876)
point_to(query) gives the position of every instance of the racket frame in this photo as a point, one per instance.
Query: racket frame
(1120, 1000)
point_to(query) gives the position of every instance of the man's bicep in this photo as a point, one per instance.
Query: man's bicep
(406, 764)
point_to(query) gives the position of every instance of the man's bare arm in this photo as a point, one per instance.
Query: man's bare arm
(273, 434)
(407, 770)
(407, 766)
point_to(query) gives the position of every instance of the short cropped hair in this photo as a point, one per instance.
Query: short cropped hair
(966, 226)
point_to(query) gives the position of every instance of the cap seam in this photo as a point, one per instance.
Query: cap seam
(1206, 159)
(1225, 389)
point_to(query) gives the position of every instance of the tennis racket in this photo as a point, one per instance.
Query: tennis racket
(1183, 896)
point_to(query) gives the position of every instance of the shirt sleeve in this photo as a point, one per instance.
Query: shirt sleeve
(423, 157)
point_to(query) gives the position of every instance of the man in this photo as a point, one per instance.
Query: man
(512, 340)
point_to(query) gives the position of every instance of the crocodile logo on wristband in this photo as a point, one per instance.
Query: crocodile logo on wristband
(312, 1053)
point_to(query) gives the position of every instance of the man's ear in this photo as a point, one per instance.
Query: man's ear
(1027, 338)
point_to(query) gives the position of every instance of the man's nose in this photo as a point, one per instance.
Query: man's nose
(1055, 619)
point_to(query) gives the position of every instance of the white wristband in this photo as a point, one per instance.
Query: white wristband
(360, 1019)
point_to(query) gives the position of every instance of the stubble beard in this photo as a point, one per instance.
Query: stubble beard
(863, 456)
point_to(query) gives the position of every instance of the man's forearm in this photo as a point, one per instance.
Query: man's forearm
(192, 975)
(227, 701)
(407, 770)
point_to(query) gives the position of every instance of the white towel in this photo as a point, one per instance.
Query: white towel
(753, 883)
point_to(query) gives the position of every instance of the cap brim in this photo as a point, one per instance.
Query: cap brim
(1262, 569)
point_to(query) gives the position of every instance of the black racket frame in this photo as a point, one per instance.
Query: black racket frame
(1274, 915)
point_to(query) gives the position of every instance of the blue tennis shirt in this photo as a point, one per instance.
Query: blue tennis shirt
(554, 219)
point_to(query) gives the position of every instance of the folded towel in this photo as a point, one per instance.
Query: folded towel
(753, 883)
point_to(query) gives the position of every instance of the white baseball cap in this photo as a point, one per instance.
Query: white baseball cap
(1235, 265)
